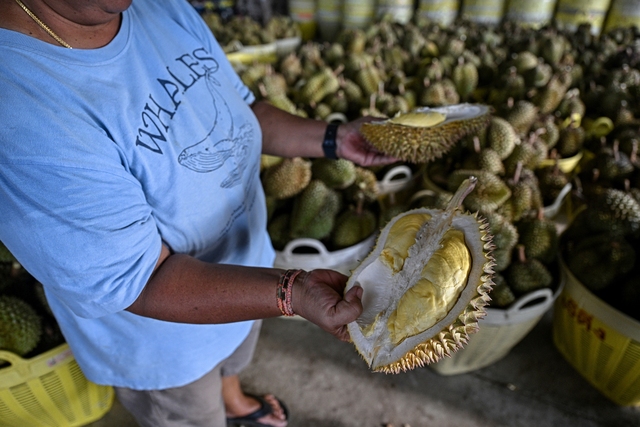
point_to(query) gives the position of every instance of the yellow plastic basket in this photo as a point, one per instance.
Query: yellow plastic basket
(600, 342)
(49, 390)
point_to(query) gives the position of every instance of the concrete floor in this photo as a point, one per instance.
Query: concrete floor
(326, 384)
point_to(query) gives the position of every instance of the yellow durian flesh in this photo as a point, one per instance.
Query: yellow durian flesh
(435, 294)
(419, 119)
(423, 135)
(425, 285)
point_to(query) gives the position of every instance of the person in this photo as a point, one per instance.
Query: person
(130, 188)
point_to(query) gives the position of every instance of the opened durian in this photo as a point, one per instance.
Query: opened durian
(424, 134)
(425, 284)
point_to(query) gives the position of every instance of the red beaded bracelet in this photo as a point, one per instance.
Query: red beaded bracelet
(284, 290)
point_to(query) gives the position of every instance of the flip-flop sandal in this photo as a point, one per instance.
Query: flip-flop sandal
(251, 420)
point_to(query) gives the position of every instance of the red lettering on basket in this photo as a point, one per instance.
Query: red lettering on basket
(582, 317)
(59, 358)
(570, 305)
(600, 333)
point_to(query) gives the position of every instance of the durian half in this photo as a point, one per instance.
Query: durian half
(424, 134)
(426, 283)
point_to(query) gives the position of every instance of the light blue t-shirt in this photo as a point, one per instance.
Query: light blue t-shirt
(107, 153)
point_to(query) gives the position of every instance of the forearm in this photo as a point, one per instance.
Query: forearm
(287, 135)
(186, 290)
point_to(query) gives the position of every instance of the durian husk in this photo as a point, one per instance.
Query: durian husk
(383, 288)
(421, 143)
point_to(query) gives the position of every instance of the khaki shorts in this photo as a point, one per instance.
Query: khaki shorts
(198, 404)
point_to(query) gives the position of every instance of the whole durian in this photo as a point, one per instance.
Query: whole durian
(286, 178)
(314, 211)
(526, 275)
(335, 173)
(426, 283)
(20, 325)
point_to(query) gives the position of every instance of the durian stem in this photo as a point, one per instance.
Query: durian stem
(16, 267)
(516, 175)
(522, 258)
(463, 191)
(359, 203)
(476, 144)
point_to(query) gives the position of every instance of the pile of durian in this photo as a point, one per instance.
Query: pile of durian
(565, 112)
(600, 247)
(333, 201)
(27, 326)
(239, 31)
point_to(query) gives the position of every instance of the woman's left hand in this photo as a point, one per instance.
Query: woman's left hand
(351, 145)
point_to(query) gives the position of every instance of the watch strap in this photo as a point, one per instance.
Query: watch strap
(329, 142)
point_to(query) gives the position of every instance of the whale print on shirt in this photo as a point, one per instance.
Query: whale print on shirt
(223, 144)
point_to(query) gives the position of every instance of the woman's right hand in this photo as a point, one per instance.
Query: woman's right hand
(319, 297)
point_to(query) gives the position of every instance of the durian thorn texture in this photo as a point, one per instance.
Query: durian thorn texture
(425, 134)
(425, 285)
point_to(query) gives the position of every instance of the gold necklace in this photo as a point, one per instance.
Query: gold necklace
(43, 26)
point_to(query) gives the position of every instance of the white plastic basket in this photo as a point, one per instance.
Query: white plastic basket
(571, 13)
(499, 332)
(550, 211)
(343, 260)
(553, 209)
(287, 45)
(396, 179)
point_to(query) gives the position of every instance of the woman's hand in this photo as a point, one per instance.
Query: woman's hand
(351, 145)
(318, 297)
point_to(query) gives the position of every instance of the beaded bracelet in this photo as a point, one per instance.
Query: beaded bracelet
(284, 290)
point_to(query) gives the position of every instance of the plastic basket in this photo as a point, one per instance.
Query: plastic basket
(566, 164)
(399, 10)
(488, 12)
(343, 260)
(264, 53)
(550, 211)
(623, 13)
(442, 12)
(500, 330)
(571, 13)
(49, 390)
(600, 342)
(287, 45)
(396, 179)
(531, 13)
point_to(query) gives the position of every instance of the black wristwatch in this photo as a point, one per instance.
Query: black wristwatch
(329, 143)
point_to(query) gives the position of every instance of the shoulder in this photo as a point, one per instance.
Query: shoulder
(178, 11)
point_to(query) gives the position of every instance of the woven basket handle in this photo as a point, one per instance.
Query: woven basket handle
(305, 242)
(543, 294)
(12, 358)
(421, 193)
(397, 171)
